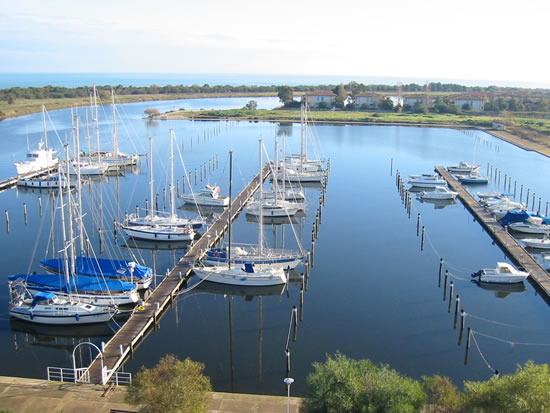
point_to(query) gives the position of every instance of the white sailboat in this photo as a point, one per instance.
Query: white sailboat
(39, 159)
(246, 274)
(160, 228)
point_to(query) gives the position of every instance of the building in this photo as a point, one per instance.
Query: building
(320, 98)
(476, 101)
(412, 100)
(368, 99)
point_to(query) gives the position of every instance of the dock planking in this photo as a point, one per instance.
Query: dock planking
(136, 328)
(513, 249)
(11, 182)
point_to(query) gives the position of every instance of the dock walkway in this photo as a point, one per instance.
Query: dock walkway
(10, 182)
(134, 330)
(507, 242)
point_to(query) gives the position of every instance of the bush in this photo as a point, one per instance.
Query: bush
(524, 392)
(341, 384)
(171, 386)
(443, 395)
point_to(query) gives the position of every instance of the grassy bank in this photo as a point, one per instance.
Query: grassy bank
(26, 106)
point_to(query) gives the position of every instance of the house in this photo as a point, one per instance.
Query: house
(367, 99)
(412, 99)
(475, 101)
(320, 98)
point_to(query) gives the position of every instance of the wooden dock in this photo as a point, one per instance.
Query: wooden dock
(11, 182)
(135, 329)
(507, 242)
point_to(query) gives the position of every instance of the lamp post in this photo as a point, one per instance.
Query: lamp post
(288, 381)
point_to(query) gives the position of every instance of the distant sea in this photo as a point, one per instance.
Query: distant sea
(8, 80)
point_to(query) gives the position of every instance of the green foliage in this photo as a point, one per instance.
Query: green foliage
(385, 104)
(172, 386)
(151, 112)
(7, 411)
(341, 384)
(285, 94)
(341, 94)
(526, 391)
(251, 105)
(443, 396)
(322, 105)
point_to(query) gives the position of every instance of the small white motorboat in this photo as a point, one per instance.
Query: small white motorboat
(539, 243)
(426, 181)
(463, 168)
(504, 273)
(209, 196)
(439, 192)
(533, 225)
(473, 178)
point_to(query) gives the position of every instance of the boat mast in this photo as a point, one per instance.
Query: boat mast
(115, 138)
(284, 164)
(172, 195)
(88, 137)
(302, 132)
(63, 228)
(229, 209)
(96, 125)
(44, 126)
(70, 212)
(151, 179)
(79, 183)
(261, 205)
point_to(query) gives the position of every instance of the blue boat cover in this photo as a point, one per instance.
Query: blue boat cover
(248, 267)
(41, 296)
(514, 216)
(100, 267)
(78, 283)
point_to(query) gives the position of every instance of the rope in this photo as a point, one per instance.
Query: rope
(457, 277)
(480, 353)
(492, 321)
(513, 343)
(289, 329)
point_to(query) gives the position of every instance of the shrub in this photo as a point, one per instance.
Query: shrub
(171, 386)
(341, 384)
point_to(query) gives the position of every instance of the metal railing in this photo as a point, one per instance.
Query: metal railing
(81, 375)
(120, 378)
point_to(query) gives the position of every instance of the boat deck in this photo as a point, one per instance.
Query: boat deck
(513, 249)
(136, 328)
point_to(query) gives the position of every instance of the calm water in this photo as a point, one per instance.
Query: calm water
(372, 292)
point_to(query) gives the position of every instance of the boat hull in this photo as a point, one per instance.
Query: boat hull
(237, 277)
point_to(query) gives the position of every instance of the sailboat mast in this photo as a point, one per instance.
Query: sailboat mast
(70, 213)
(302, 132)
(115, 137)
(229, 209)
(261, 205)
(284, 164)
(79, 184)
(44, 126)
(96, 125)
(151, 179)
(88, 138)
(172, 195)
(63, 227)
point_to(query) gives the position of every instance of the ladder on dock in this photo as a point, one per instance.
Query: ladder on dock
(135, 329)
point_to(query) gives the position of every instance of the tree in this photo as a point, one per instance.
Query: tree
(341, 384)
(443, 395)
(285, 94)
(11, 100)
(152, 112)
(528, 390)
(252, 105)
(171, 386)
(386, 104)
(341, 94)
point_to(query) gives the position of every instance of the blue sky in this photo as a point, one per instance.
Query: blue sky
(471, 39)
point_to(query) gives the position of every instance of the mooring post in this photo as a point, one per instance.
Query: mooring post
(451, 291)
(418, 225)
(40, 205)
(445, 285)
(440, 271)
(195, 176)
(287, 352)
(25, 212)
(156, 202)
(462, 323)
(7, 220)
(457, 307)
(163, 198)
(422, 242)
(147, 206)
(520, 192)
(295, 322)
(468, 346)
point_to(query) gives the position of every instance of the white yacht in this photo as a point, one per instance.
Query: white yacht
(504, 273)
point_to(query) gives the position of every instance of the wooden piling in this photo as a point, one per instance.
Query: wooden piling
(25, 212)
(468, 342)
(457, 307)
(451, 292)
(7, 220)
(440, 271)
(40, 205)
(422, 241)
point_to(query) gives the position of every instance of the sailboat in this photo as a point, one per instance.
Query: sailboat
(247, 274)
(271, 207)
(156, 227)
(39, 159)
(89, 289)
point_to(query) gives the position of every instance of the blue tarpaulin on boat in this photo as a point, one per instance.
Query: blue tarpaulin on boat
(100, 267)
(78, 283)
(514, 216)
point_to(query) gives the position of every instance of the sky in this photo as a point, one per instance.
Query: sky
(433, 39)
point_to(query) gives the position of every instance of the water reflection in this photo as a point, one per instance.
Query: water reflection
(502, 290)
(438, 203)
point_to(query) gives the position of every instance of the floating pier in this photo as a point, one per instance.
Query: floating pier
(507, 242)
(135, 329)
(10, 182)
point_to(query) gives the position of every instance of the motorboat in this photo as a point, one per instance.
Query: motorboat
(209, 195)
(48, 308)
(487, 195)
(37, 160)
(472, 178)
(538, 243)
(463, 168)
(426, 181)
(503, 273)
(44, 182)
(533, 225)
(439, 192)
(245, 275)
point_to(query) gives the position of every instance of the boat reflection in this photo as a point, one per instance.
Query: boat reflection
(438, 203)
(210, 213)
(140, 244)
(239, 290)
(502, 290)
(272, 220)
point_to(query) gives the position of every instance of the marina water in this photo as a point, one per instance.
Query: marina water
(372, 293)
